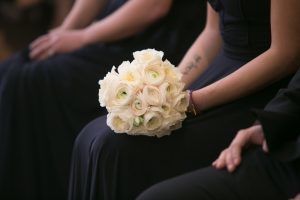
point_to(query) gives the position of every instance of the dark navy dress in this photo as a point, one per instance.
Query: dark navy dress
(106, 165)
(44, 105)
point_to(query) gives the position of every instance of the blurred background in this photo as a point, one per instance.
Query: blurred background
(21, 21)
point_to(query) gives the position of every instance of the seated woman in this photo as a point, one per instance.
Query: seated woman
(273, 173)
(47, 98)
(245, 54)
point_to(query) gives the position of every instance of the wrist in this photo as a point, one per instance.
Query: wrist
(70, 24)
(86, 38)
(91, 34)
(193, 107)
(66, 26)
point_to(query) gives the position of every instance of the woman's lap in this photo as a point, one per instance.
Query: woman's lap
(254, 179)
(43, 106)
(126, 165)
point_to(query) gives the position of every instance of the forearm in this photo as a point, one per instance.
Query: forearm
(82, 13)
(132, 17)
(256, 74)
(61, 10)
(204, 49)
(200, 56)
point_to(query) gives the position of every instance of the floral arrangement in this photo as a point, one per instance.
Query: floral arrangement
(145, 96)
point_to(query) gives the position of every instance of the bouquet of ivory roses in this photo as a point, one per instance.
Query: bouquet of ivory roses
(145, 96)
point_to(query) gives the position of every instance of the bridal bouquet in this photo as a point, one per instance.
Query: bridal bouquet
(145, 96)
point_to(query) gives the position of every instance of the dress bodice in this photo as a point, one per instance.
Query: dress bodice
(245, 26)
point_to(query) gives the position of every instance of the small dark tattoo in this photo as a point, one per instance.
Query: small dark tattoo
(191, 65)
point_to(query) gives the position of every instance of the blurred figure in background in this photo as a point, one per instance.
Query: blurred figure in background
(33, 17)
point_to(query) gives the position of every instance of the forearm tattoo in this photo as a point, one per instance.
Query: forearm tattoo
(192, 64)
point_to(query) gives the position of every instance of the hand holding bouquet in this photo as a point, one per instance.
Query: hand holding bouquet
(145, 96)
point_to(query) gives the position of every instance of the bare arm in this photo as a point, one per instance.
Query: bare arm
(82, 13)
(132, 17)
(281, 59)
(128, 20)
(204, 49)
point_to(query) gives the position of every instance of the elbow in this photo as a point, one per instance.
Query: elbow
(293, 59)
(290, 56)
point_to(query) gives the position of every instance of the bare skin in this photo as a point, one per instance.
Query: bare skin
(231, 158)
(281, 59)
(131, 18)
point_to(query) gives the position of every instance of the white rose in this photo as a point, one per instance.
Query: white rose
(122, 95)
(120, 122)
(162, 133)
(148, 56)
(172, 73)
(145, 97)
(152, 95)
(152, 121)
(181, 102)
(138, 121)
(129, 73)
(105, 86)
(170, 90)
(167, 91)
(154, 74)
(168, 128)
(139, 127)
(164, 110)
(139, 106)
(124, 66)
(173, 121)
(176, 126)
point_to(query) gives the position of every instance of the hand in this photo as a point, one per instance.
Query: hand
(57, 41)
(231, 157)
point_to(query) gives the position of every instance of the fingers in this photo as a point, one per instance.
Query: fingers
(220, 163)
(43, 47)
(39, 48)
(45, 54)
(38, 41)
(229, 158)
(233, 158)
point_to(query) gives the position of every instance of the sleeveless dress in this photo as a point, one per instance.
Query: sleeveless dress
(44, 105)
(106, 165)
